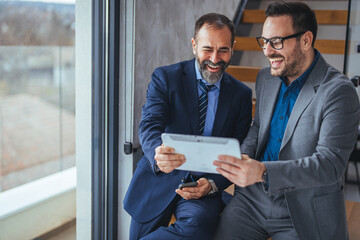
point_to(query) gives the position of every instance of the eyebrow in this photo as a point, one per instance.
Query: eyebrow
(221, 48)
(271, 37)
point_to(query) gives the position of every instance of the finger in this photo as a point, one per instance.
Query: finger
(229, 167)
(190, 190)
(192, 195)
(187, 195)
(229, 159)
(244, 157)
(169, 164)
(166, 169)
(169, 156)
(205, 185)
(230, 176)
(181, 193)
(164, 149)
(202, 182)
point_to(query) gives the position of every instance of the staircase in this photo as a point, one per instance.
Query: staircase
(247, 74)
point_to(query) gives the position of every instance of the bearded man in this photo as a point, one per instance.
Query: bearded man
(174, 104)
(289, 180)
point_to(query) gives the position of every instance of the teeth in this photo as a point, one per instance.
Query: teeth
(213, 66)
(275, 59)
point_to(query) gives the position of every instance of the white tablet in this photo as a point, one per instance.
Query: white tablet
(201, 151)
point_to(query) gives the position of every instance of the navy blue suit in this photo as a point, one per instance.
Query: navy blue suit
(172, 107)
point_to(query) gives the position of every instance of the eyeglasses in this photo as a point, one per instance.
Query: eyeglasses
(275, 42)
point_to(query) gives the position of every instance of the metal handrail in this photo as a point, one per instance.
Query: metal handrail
(239, 12)
(347, 38)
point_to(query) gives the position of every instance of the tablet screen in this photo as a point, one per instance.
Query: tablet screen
(201, 151)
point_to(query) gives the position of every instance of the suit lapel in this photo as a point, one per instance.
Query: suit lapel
(306, 95)
(224, 104)
(190, 89)
(266, 108)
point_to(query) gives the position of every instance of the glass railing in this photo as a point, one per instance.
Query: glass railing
(37, 113)
(37, 90)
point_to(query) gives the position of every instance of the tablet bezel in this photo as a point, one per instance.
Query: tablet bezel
(201, 151)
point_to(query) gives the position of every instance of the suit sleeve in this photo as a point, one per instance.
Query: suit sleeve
(154, 115)
(244, 120)
(336, 139)
(251, 141)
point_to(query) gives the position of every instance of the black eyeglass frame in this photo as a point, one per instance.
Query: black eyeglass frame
(270, 40)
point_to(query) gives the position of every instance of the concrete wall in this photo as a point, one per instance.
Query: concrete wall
(163, 32)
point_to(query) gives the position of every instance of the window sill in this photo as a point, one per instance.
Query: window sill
(39, 206)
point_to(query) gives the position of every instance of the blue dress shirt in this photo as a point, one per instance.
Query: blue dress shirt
(213, 99)
(285, 102)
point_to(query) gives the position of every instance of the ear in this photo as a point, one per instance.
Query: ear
(233, 47)
(307, 40)
(193, 43)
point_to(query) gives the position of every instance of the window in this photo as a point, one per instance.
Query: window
(37, 90)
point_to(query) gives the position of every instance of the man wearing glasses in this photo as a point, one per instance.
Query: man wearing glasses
(305, 127)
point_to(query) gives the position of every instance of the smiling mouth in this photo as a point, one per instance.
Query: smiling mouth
(275, 62)
(213, 68)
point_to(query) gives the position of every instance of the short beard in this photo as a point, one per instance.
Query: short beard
(291, 68)
(211, 77)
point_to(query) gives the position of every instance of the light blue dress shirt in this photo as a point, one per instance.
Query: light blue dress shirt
(213, 99)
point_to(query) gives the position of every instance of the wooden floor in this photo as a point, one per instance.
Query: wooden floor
(353, 218)
(65, 232)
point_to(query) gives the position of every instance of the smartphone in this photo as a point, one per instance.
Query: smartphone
(188, 184)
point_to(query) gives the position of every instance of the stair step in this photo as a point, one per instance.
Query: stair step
(333, 17)
(325, 46)
(243, 73)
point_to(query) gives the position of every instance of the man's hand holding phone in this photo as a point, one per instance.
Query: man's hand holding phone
(194, 190)
(188, 184)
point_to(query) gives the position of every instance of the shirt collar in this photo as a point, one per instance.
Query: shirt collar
(301, 80)
(199, 77)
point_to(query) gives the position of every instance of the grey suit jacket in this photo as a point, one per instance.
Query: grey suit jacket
(319, 137)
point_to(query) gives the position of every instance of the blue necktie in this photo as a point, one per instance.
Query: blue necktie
(203, 103)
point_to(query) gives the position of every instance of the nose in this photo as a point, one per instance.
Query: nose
(214, 57)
